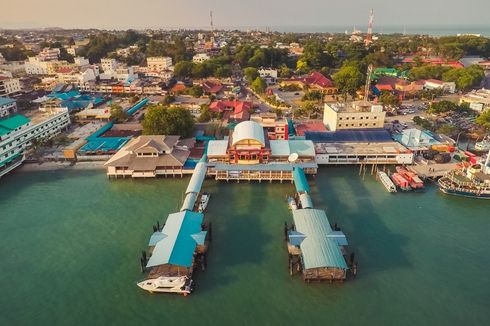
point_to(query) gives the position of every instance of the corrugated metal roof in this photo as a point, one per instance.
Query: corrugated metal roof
(300, 180)
(12, 123)
(248, 130)
(6, 100)
(262, 167)
(305, 200)
(358, 135)
(189, 201)
(197, 178)
(178, 245)
(280, 148)
(217, 147)
(317, 249)
(302, 147)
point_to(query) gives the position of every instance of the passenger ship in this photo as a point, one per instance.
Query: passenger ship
(473, 181)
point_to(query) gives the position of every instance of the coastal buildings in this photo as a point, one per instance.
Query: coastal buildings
(9, 86)
(18, 132)
(248, 154)
(368, 146)
(7, 106)
(151, 156)
(359, 115)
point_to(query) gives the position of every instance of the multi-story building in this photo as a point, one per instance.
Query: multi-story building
(37, 66)
(268, 73)
(108, 65)
(159, 63)
(49, 54)
(275, 128)
(359, 115)
(18, 132)
(200, 57)
(479, 100)
(7, 106)
(9, 86)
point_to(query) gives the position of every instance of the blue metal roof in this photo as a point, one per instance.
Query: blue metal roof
(317, 248)
(6, 100)
(300, 180)
(358, 135)
(138, 106)
(182, 233)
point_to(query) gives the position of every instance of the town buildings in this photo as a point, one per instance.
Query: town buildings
(18, 132)
(9, 86)
(151, 156)
(159, 63)
(200, 58)
(7, 106)
(233, 111)
(479, 100)
(275, 128)
(357, 115)
(314, 81)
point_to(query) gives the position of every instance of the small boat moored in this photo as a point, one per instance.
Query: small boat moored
(292, 203)
(204, 202)
(385, 180)
(168, 284)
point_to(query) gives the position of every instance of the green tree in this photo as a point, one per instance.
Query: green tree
(259, 85)
(223, 71)
(448, 130)
(465, 78)
(195, 91)
(160, 120)
(183, 69)
(484, 119)
(205, 114)
(250, 74)
(348, 79)
(117, 113)
(285, 71)
(387, 98)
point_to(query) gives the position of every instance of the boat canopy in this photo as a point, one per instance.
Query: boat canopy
(300, 180)
(319, 247)
(197, 178)
(181, 234)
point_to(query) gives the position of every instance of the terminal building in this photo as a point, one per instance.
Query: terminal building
(358, 115)
(368, 146)
(248, 154)
(17, 133)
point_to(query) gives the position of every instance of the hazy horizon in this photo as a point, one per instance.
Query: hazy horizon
(193, 14)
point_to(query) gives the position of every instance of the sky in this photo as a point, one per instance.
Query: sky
(139, 14)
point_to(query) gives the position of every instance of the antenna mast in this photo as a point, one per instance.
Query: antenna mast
(369, 36)
(211, 16)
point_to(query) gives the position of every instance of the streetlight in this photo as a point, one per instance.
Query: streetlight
(457, 139)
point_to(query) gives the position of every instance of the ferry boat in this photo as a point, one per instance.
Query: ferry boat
(400, 182)
(292, 203)
(411, 177)
(472, 181)
(204, 202)
(168, 284)
(386, 181)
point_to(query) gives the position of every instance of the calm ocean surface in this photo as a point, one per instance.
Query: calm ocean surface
(70, 244)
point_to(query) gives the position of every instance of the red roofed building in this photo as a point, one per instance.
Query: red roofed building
(212, 87)
(484, 64)
(301, 128)
(232, 110)
(314, 80)
(179, 87)
(435, 62)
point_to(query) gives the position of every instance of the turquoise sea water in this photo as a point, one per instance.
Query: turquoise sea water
(70, 245)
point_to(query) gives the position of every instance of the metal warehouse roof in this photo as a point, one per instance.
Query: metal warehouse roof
(217, 147)
(197, 178)
(358, 135)
(279, 148)
(300, 180)
(180, 236)
(6, 100)
(286, 147)
(317, 249)
(262, 167)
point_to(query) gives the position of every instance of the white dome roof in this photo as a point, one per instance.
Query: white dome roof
(248, 130)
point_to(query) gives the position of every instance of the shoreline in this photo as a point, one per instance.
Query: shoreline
(53, 166)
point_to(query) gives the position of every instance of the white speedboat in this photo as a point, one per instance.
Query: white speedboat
(292, 203)
(483, 145)
(204, 202)
(168, 284)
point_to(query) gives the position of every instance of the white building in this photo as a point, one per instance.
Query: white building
(2, 59)
(359, 115)
(269, 74)
(18, 132)
(200, 57)
(81, 62)
(77, 78)
(449, 87)
(159, 63)
(7, 106)
(108, 65)
(49, 54)
(479, 100)
(9, 86)
(38, 66)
